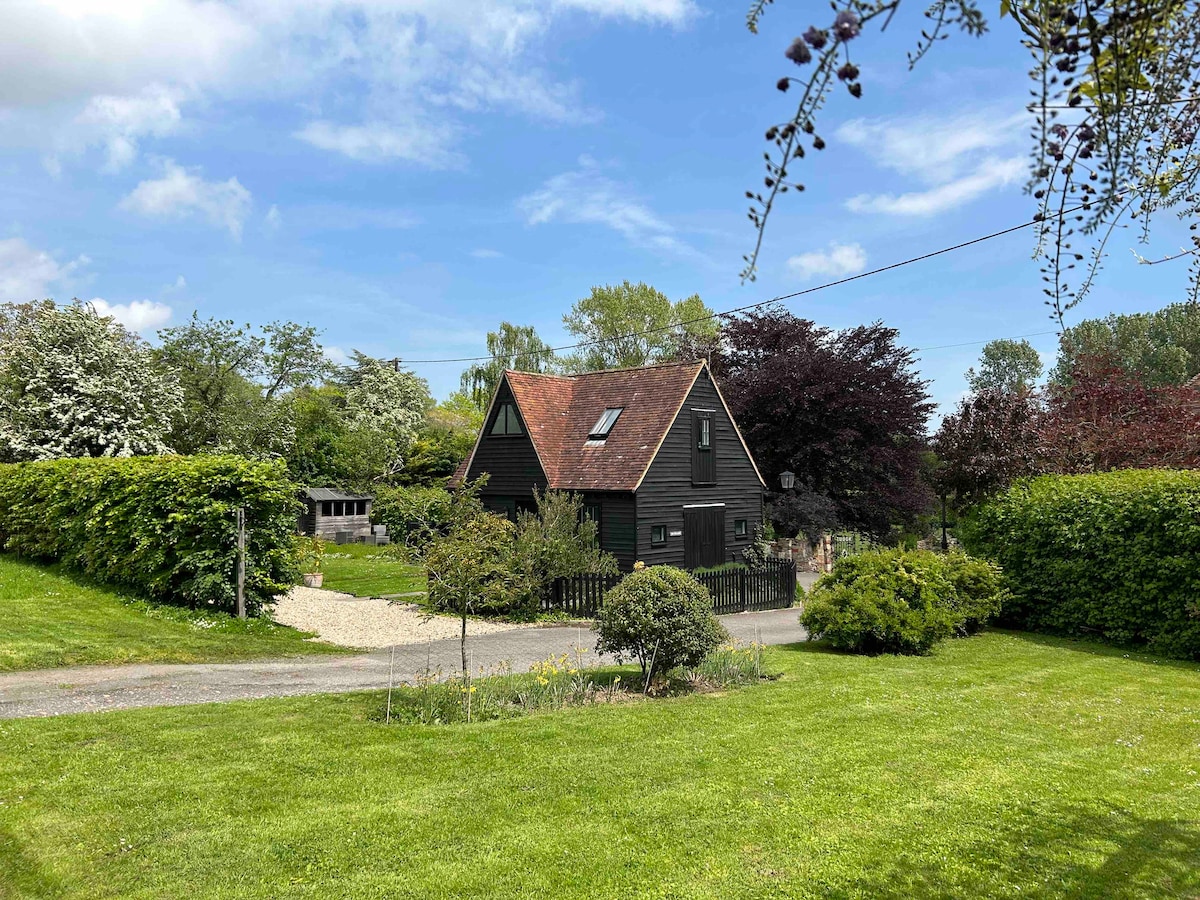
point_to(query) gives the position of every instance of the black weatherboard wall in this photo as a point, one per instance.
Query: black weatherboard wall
(510, 461)
(670, 486)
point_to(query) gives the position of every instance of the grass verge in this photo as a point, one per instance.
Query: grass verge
(369, 571)
(50, 618)
(1002, 765)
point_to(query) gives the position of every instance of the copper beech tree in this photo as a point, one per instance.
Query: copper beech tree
(1102, 418)
(845, 410)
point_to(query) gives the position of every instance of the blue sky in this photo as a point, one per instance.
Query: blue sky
(404, 174)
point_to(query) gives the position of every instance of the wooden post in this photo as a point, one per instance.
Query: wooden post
(241, 562)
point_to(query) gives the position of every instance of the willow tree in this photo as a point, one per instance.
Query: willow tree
(1115, 116)
(510, 347)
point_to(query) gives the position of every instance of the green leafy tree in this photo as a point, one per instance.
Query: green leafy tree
(511, 347)
(557, 541)
(629, 325)
(234, 382)
(1157, 348)
(74, 384)
(1006, 367)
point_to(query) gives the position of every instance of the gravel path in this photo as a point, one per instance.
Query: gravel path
(51, 692)
(371, 622)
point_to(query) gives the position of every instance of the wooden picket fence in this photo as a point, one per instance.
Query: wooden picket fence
(770, 585)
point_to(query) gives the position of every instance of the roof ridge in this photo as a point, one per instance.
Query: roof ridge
(574, 375)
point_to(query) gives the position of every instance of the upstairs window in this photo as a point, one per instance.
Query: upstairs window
(507, 421)
(704, 464)
(605, 423)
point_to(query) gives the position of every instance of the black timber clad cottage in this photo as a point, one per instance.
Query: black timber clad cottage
(654, 452)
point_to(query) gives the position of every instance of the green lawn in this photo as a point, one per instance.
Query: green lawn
(49, 618)
(368, 571)
(1004, 765)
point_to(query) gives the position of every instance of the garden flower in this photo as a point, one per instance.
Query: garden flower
(816, 37)
(798, 52)
(846, 26)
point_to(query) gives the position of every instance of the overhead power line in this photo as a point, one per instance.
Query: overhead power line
(777, 299)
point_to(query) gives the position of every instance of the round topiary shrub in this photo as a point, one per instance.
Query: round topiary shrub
(891, 601)
(661, 617)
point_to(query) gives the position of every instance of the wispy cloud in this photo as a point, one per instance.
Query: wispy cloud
(181, 193)
(837, 260)
(138, 315)
(587, 197)
(991, 174)
(27, 273)
(353, 62)
(426, 144)
(486, 253)
(954, 159)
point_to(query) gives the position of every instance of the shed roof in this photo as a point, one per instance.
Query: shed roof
(320, 493)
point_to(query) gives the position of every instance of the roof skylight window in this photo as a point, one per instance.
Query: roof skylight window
(604, 424)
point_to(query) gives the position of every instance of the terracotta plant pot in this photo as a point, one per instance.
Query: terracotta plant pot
(314, 579)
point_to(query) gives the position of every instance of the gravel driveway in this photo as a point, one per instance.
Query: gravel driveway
(371, 622)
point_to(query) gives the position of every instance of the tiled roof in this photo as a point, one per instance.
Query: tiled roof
(559, 411)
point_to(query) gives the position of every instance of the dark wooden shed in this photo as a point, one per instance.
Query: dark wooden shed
(336, 516)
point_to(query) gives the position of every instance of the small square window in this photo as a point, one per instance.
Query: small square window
(327, 507)
(658, 534)
(739, 527)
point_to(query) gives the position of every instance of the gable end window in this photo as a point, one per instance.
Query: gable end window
(605, 423)
(507, 421)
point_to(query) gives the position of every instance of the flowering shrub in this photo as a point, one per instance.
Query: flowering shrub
(662, 617)
(162, 525)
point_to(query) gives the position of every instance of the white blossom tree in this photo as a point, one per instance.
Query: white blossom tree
(387, 402)
(74, 383)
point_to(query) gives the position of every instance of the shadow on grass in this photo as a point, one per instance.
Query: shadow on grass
(1098, 648)
(1082, 850)
(18, 871)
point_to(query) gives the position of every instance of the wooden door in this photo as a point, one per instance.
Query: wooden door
(703, 536)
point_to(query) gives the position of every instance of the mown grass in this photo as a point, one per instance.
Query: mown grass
(1003, 765)
(49, 618)
(368, 571)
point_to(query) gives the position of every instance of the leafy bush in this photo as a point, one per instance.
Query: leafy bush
(162, 525)
(660, 616)
(474, 568)
(558, 541)
(1115, 555)
(893, 601)
(414, 516)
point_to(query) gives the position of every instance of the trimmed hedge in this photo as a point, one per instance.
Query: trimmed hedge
(1115, 555)
(897, 601)
(161, 525)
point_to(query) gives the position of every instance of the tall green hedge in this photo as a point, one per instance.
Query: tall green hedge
(162, 525)
(1115, 555)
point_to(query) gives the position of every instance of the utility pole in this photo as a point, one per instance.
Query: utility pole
(241, 561)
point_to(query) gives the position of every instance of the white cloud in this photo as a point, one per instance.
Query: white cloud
(955, 159)
(337, 356)
(180, 193)
(139, 315)
(29, 274)
(838, 260)
(486, 253)
(273, 219)
(118, 122)
(179, 285)
(991, 174)
(116, 75)
(377, 142)
(586, 197)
